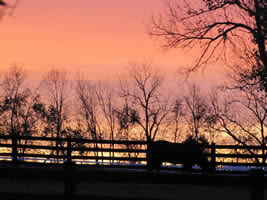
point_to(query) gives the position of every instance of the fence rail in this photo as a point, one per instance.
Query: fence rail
(84, 151)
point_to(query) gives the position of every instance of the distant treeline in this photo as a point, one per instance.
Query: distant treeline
(135, 107)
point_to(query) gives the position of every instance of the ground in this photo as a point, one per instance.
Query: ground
(133, 190)
(125, 184)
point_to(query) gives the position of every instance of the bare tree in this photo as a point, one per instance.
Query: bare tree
(149, 107)
(196, 110)
(107, 100)
(142, 86)
(18, 117)
(177, 119)
(2, 3)
(123, 116)
(242, 115)
(57, 92)
(88, 107)
(89, 110)
(7, 8)
(127, 128)
(218, 28)
(14, 95)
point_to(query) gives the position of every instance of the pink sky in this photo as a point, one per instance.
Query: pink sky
(98, 37)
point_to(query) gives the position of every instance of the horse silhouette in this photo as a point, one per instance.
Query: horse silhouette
(185, 154)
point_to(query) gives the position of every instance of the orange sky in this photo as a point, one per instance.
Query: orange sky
(98, 37)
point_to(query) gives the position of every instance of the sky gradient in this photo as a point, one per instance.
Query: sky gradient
(97, 37)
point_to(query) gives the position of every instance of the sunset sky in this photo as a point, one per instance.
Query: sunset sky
(97, 37)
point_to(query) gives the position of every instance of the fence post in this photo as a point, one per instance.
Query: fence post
(213, 156)
(69, 168)
(149, 156)
(256, 184)
(14, 149)
(69, 150)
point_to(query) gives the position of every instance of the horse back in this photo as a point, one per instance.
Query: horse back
(178, 153)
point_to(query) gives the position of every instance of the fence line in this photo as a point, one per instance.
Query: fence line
(84, 150)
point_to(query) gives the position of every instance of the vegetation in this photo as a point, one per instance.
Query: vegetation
(137, 107)
(133, 108)
(222, 30)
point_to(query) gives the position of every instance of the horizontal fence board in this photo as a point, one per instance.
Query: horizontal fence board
(124, 142)
(117, 151)
(26, 155)
(6, 154)
(6, 137)
(6, 145)
(250, 147)
(76, 148)
(239, 155)
(241, 164)
(35, 147)
(31, 155)
(109, 158)
(73, 140)
(110, 150)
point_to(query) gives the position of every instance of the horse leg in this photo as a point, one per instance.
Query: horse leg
(204, 164)
(157, 166)
(187, 167)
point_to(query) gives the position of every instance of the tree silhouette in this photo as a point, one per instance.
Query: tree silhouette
(177, 119)
(17, 106)
(89, 110)
(57, 92)
(196, 110)
(7, 8)
(217, 27)
(242, 115)
(2, 3)
(149, 109)
(88, 107)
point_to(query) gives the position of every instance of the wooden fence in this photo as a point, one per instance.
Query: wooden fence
(118, 153)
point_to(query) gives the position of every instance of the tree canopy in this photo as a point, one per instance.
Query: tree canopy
(221, 29)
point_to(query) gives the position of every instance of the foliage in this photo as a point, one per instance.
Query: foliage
(127, 117)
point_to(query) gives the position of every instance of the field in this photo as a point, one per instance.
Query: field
(112, 183)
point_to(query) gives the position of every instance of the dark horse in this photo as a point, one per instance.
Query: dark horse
(185, 154)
